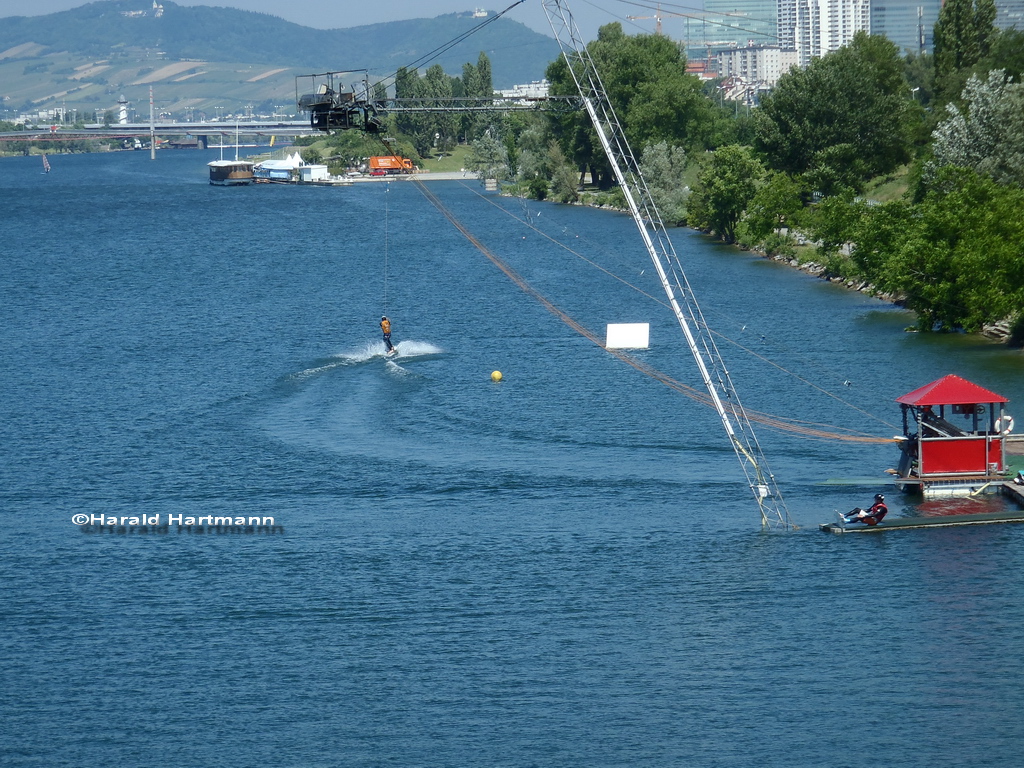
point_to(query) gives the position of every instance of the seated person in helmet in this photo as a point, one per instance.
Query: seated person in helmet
(871, 516)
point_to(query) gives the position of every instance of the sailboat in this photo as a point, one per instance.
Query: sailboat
(46, 165)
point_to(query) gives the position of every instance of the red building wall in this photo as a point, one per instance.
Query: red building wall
(969, 455)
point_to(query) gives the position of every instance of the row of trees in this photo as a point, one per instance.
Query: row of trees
(443, 129)
(952, 248)
(801, 161)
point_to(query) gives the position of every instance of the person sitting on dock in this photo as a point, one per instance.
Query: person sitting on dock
(871, 516)
(385, 326)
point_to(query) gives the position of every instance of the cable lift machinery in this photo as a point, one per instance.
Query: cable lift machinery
(345, 100)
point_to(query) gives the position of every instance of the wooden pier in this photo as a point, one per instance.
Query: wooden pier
(1010, 490)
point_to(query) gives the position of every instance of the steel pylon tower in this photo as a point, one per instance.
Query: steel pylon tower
(677, 288)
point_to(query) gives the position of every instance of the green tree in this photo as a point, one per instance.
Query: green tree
(476, 83)
(726, 183)
(987, 133)
(663, 167)
(509, 129)
(538, 189)
(348, 149)
(489, 158)
(442, 126)
(645, 79)
(834, 222)
(1006, 53)
(919, 71)
(878, 232)
(408, 86)
(844, 119)
(564, 176)
(963, 34)
(671, 109)
(961, 263)
(469, 121)
(484, 80)
(511, 153)
(774, 206)
(533, 153)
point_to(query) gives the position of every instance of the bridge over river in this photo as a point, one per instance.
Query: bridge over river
(200, 131)
(329, 112)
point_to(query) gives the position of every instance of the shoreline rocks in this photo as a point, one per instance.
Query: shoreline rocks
(998, 331)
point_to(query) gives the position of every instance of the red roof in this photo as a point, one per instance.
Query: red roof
(950, 390)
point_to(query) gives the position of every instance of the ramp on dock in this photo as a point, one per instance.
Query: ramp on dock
(1010, 490)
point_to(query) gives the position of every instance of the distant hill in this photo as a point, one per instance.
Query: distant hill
(60, 55)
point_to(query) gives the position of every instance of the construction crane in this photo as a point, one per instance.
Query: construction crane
(691, 320)
(658, 16)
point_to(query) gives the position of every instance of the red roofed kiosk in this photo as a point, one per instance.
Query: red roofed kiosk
(953, 438)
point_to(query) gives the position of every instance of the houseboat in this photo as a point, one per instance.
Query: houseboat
(954, 439)
(229, 173)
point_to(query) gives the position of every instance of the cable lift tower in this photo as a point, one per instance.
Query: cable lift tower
(715, 375)
(346, 100)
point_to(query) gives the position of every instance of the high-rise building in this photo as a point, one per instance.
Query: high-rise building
(756, 64)
(814, 27)
(738, 23)
(908, 23)
(1010, 14)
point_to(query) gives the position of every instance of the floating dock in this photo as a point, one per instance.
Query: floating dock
(1010, 490)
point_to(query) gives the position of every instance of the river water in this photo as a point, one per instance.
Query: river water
(560, 569)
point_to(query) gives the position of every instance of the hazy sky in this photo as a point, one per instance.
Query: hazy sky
(330, 14)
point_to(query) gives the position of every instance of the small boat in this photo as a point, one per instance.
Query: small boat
(46, 165)
(229, 173)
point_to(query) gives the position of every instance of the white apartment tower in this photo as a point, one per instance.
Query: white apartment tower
(814, 27)
(760, 64)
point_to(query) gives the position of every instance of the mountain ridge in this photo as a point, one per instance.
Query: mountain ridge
(52, 50)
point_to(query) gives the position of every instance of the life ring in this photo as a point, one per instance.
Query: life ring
(1004, 425)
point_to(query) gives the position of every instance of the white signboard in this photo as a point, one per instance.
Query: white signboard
(628, 336)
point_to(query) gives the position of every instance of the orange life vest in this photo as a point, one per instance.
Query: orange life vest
(385, 325)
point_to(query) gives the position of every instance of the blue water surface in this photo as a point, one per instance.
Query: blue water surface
(560, 569)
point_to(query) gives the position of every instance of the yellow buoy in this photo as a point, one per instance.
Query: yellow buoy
(496, 376)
